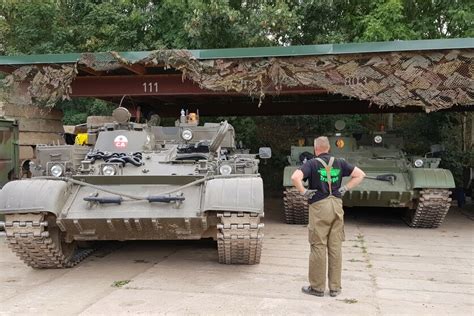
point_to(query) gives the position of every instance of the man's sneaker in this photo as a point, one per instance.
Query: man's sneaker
(334, 293)
(307, 289)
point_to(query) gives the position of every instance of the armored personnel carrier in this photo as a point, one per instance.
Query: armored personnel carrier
(393, 179)
(137, 182)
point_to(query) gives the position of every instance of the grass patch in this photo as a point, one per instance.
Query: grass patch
(349, 300)
(120, 283)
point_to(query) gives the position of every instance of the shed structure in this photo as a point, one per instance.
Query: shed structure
(399, 76)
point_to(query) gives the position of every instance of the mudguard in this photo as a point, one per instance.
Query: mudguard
(287, 173)
(25, 196)
(431, 178)
(234, 194)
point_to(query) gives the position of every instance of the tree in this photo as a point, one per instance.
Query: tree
(61, 26)
(31, 27)
(386, 22)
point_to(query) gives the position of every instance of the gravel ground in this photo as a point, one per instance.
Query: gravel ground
(388, 269)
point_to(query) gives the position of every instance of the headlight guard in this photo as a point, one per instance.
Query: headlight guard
(187, 134)
(225, 169)
(419, 163)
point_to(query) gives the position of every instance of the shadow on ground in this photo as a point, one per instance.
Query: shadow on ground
(377, 217)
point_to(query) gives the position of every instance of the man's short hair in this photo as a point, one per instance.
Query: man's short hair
(322, 143)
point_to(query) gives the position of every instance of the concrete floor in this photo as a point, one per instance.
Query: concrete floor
(389, 269)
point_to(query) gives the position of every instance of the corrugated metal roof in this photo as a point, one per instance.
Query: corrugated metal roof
(262, 52)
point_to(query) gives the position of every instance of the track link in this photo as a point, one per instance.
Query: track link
(433, 205)
(29, 239)
(296, 207)
(239, 237)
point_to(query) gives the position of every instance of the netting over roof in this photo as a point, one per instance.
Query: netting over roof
(432, 79)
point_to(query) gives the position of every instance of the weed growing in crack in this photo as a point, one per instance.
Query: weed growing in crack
(120, 283)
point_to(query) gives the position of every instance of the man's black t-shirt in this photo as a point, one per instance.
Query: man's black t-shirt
(316, 174)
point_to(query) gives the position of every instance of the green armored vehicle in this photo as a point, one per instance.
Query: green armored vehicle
(137, 182)
(295, 205)
(393, 179)
(9, 160)
(8, 150)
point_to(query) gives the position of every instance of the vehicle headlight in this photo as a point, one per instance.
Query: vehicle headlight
(418, 163)
(187, 135)
(225, 170)
(109, 170)
(56, 170)
(378, 139)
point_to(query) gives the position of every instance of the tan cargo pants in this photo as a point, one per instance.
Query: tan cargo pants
(326, 232)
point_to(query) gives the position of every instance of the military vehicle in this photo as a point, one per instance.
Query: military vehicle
(9, 160)
(393, 179)
(137, 182)
(295, 205)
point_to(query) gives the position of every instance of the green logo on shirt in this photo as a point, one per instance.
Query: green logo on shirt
(335, 175)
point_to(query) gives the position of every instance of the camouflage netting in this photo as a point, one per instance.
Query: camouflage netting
(433, 80)
(102, 61)
(38, 85)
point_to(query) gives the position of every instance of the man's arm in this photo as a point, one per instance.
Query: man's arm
(297, 179)
(357, 176)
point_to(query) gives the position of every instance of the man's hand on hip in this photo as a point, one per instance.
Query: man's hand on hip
(343, 189)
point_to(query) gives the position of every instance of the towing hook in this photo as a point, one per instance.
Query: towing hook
(178, 202)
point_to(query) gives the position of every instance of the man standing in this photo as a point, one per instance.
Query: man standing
(326, 216)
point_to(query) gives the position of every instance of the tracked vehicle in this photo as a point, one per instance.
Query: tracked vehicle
(9, 160)
(295, 205)
(393, 179)
(137, 182)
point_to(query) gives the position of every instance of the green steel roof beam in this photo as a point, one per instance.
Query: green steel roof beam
(261, 52)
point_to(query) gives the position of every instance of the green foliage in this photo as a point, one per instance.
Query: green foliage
(222, 24)
(166, 25)
(55, 26)
(387, 22)
(336, 21)
(211, 19)
(31, 26)
(440, 18)
(77, 110)
(59, 26)
(111, 26)
(420, 131)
